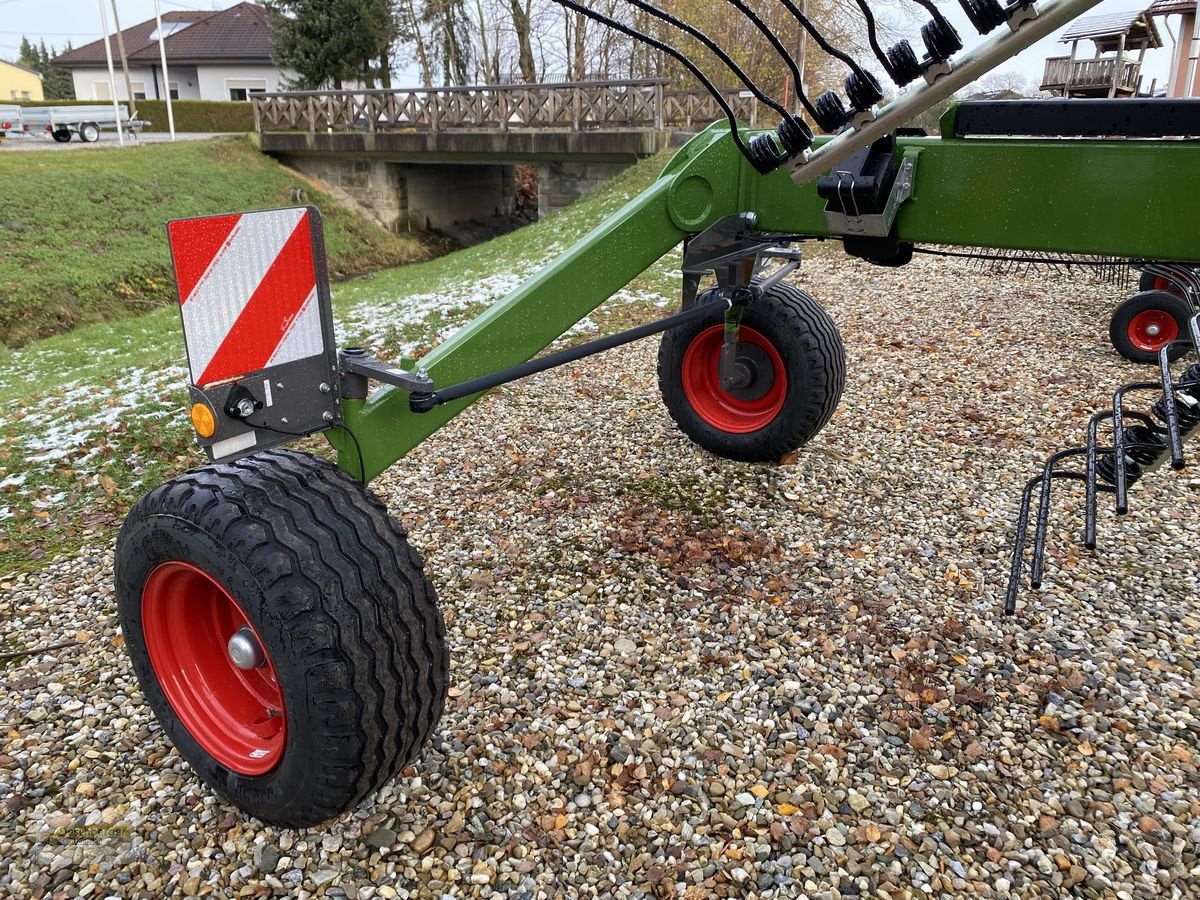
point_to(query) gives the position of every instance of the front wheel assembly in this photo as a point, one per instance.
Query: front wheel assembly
(1147, 322)
(283, 633)
(791, 368)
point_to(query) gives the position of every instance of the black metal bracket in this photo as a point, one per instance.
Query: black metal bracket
(357, 366)
(732, 250)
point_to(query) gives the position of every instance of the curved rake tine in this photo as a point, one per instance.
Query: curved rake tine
(1119, 462)
(1014, 575)
(1037, 565)
(1170, 406)
(1090, 487)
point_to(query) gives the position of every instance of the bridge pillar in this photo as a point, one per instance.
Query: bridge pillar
(415, 197)
(562, 183)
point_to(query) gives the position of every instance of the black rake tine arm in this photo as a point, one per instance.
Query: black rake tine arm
(833, 51)
(873, 38)
(712, 45)
(1120, 457)
(1170, 407)
(1037, 564)
(673, 52)
(788, 60)
(1018, 557)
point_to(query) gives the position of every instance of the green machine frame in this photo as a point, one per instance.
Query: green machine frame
(1119, 197)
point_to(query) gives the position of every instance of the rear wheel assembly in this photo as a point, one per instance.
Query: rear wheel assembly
(791, 370)
(1148, 321)
(282, 632)
(1151, 282)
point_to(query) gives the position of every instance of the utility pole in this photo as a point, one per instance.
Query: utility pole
(124, 62)
(112, 84)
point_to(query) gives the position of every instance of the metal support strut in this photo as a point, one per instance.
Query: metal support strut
(425, 400)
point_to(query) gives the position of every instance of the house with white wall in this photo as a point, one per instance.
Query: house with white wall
(223, 55)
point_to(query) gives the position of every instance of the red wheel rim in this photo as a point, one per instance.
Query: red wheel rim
(1151, 329)
(235, 714)
(752, 405)
(1165, 284)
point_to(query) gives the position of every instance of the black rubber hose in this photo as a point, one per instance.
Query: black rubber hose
(676, 54)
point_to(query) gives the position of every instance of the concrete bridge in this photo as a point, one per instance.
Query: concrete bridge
(425, 158)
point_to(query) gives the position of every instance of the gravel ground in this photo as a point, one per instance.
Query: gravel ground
(678, 676)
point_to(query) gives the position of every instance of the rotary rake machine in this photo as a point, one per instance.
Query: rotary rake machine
(283, 631)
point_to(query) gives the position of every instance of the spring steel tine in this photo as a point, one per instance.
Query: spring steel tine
(1170, 409)
(1122, 477)
(1014, 575)
(1089, 508)
(1038, 563)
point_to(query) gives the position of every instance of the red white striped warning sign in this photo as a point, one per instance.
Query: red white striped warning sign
(248, 290)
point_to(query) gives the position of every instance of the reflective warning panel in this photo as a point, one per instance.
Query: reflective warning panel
(254, 298)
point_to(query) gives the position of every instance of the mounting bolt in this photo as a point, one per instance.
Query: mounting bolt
(327, 416)
(245, 408)
(324, 388)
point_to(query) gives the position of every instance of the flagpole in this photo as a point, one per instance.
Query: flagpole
(162, 55)
(112, 78)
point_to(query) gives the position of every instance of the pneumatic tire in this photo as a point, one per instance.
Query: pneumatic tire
(343, 653)
(61, 136)
(89, 132)
(1141, 325)
(1148, 281)
(792, 367)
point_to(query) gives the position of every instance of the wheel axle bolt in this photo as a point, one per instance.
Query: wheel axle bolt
(1153, 330)
(245, 650)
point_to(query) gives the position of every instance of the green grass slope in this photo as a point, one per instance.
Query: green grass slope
(92, 419)
(82, 236)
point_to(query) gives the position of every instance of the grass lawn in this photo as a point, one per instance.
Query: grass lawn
(92, 419)
(82, 235)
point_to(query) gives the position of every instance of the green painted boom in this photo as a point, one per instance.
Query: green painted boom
(1127, 198)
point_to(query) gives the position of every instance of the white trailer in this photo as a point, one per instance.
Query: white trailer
(10, 120)
(60, 122)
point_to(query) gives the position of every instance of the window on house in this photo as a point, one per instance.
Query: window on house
(139, 90)
(100, 91)
(242, 89)
(174, 90)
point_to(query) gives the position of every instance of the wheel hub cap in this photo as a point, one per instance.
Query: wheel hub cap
(245, 650)
(1151, 329)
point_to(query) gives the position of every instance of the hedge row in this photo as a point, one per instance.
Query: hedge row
(190, 115)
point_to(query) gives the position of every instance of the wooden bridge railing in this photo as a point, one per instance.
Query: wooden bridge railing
(572, 106)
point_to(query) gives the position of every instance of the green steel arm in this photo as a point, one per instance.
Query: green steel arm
(1119, 198)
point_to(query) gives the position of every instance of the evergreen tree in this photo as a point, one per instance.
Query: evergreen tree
(328, 41)
(57, 83)
(28, 56)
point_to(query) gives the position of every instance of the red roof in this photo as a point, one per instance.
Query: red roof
(239, 34)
